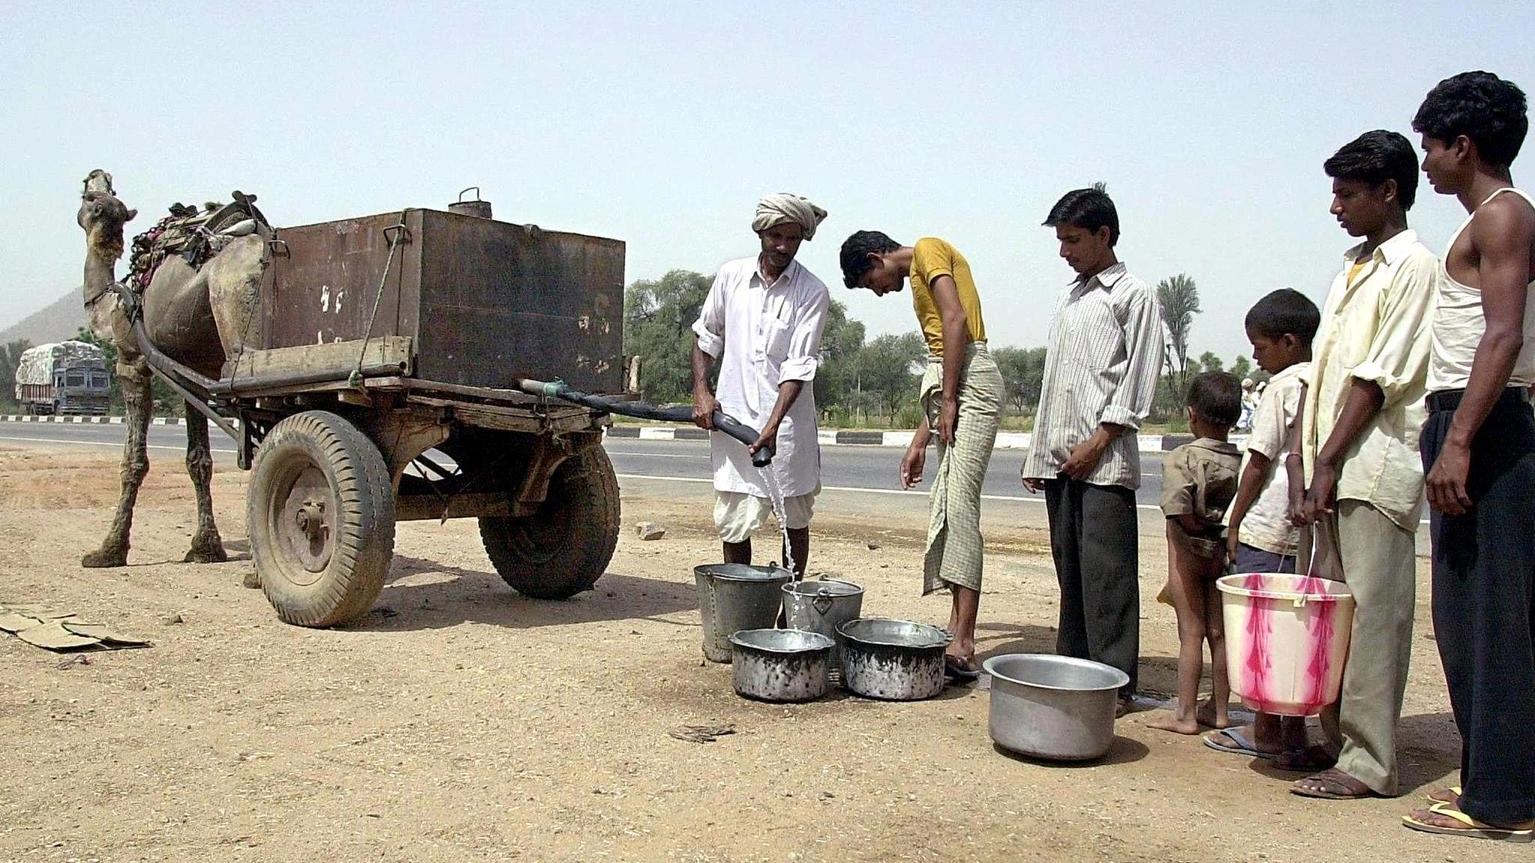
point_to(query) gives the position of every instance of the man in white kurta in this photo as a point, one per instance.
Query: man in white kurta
(762, 322)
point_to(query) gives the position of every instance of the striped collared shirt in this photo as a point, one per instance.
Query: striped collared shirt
(1102, 366)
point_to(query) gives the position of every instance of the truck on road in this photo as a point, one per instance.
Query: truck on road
(63, 378)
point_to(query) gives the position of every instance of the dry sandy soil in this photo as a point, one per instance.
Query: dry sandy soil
(459, 721)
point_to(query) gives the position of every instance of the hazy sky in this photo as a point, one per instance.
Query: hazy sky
(661, 124)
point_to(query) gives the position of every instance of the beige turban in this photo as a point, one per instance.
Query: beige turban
(784, 207)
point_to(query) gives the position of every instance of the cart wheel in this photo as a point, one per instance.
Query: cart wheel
(565, 547)
(320, 512)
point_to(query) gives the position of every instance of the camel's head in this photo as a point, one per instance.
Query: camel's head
(102, 215)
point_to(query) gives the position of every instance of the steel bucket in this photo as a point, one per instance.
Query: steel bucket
(733, 597)
(822, 606)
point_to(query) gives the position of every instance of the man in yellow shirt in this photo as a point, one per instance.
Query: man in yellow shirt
(1360, 416)
(961, 396)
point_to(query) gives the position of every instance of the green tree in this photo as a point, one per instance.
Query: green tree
(1179, 298)
(1023, 376)
(836, 376)
(887, 371)
(10, 357)
(1242, 368)
(1210, 362)
(658, 321)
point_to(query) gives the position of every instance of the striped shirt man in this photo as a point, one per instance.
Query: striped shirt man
(1102, 366)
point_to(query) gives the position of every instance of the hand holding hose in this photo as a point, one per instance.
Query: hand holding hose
(705, 406)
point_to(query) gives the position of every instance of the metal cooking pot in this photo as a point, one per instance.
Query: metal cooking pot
(896, 660)
(1055, 707)
(779, 664)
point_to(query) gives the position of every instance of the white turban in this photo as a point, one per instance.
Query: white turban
(784, 207)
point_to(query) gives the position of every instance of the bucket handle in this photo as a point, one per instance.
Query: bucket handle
(822, 602)
(474, 189)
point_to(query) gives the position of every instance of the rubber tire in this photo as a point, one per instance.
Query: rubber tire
(363, 522)
(565, 547)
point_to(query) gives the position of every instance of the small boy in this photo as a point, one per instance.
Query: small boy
(1199, 480)
(1259, 535)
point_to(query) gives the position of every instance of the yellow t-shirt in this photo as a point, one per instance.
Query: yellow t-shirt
(931, 258)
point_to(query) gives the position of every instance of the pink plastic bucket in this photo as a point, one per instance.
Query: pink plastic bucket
(1286, 640)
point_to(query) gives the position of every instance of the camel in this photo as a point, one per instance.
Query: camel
(196, 316)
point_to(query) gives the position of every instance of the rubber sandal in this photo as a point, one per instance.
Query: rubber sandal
(1470, 826)
(953, 668)
(1243, 745)
(1449, 795)
(1329, 779)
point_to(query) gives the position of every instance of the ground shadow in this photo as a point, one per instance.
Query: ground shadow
(455, 595)
(1157, 675)
(1428, 753)
(996, 639)
(235, 551)
(1428, 747)
(1122, 751)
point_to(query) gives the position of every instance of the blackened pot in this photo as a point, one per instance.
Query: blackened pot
(896, 660)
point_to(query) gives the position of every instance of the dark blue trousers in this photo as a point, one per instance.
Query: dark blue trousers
(1484, 607)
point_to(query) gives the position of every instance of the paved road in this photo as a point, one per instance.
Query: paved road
(857, 480)
(842, 467)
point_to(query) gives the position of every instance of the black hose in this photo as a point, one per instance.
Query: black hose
(678, 414)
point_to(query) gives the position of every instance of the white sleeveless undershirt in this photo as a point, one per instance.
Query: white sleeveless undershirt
(1459, 325)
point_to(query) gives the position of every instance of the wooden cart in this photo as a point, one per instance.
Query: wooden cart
(384, 340)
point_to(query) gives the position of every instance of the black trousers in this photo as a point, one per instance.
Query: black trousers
(1094, 538)
(1484, 607)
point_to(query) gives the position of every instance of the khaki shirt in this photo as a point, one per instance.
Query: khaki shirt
(1376, 328)
(1200, 479)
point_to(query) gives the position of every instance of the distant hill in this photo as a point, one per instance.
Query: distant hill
(59, 321)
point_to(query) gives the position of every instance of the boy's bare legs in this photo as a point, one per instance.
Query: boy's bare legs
(1213, 712)
(1188, 602)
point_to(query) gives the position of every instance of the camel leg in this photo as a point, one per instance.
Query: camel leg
(134, 377)
(207, 546)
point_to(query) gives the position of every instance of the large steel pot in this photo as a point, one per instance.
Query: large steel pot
(896, 660)
(1053, 707)
(779, 664)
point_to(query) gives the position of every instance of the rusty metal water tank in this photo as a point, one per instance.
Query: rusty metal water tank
(477, 208)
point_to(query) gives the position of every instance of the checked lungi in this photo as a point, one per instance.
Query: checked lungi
(954, 545)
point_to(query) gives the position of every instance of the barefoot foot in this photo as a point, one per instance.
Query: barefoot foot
(1171, 722)
(1208, 715)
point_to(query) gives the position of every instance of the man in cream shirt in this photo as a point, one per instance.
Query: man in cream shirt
(1360, 418)
(762, 320)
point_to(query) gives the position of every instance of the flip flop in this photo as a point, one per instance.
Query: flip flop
(1449, 795)
(1329, 780)
(953, 668)
(1470, 826)
(1243, 745)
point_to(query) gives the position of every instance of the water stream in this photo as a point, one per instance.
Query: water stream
(776, 498)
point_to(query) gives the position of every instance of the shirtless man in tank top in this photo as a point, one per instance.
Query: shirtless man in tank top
(1479, 450)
